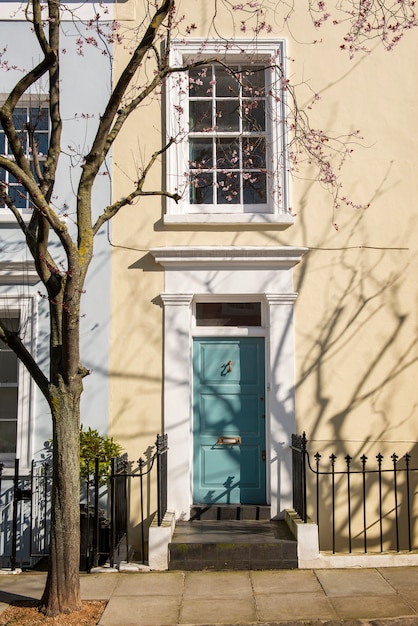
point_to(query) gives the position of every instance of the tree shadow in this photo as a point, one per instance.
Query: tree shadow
(357, 353)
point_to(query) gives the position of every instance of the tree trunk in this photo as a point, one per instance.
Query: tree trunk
(62, 590)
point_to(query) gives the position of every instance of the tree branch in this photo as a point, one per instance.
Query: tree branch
(13, 340)
(113, 209)
(102, 142)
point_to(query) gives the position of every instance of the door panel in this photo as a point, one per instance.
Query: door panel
(229, 402)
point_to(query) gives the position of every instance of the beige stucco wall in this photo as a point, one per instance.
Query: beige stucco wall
(356, 315)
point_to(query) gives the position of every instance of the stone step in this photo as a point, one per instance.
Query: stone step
(232, 545)
(229, 512)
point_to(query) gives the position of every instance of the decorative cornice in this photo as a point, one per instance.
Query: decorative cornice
(281, 298)
(174, 299)
(227, 257)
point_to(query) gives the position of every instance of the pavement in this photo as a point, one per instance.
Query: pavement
(350, 597)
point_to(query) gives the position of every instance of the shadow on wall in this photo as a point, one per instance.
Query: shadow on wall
(357, 355)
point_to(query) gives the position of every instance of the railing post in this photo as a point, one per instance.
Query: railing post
(317, 460)
(112, 512)
(408, 499)
(363, 465)
(332, 459)
(348, 460)
(95, 555)
(161, 445)
(299, 475)
(14, 523)
(394, 458)
(304, 497)
(32, 472)
(46, 468)
(379, 458)
(141, 464)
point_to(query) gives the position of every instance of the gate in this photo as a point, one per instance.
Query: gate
(25, 503)
(25, 507)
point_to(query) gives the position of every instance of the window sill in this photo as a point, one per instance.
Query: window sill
(260, 220)
(7, 217)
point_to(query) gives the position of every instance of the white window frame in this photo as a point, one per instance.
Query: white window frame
(276, 212)
(35, 101)
(12, 302)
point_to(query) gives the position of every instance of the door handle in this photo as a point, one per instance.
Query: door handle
(229, 441)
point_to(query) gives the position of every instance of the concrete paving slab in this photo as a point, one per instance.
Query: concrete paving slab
(285, 581)
(141, 611)
(400, 577)
(410, 596)
(353, 582)
(20, 587)
(217, 585)
(26, 585)
(307, 606)
(98, 586)
(370, 607)
(152, 583)
(212, 612)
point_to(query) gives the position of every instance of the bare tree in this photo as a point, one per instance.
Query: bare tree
(64, 283)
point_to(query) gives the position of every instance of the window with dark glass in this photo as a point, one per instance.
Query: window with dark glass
(228, 314)
(228, 135)
(32, 124)
(8, 391)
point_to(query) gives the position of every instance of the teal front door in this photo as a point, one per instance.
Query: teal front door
(229, 421)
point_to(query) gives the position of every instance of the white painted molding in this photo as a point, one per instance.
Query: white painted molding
(254, 257)
(228, 273)
(18, 272)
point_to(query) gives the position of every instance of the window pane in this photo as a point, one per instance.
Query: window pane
(255, 188)
(227, 154)
(39, 118)
(228, 313)
(254, 153)
(201, 188)
(227, 85)
(41, 140)
(228, 185)
(2, 143)
(8, 366)
(253, 115)
(200, 81)
(8, 431)
(227, 115)
(11, 323)
(201, 153)
(23, 138)
(20, 118)
(200, 115)
(18, 196)
(253, 81)
(8, 403)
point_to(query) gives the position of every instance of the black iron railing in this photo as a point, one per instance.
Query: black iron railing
(127, 474)
(24, 512)
(362, 504)
(25, 503)
(299, 475)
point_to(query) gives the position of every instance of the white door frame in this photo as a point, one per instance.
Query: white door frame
(226, 273)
